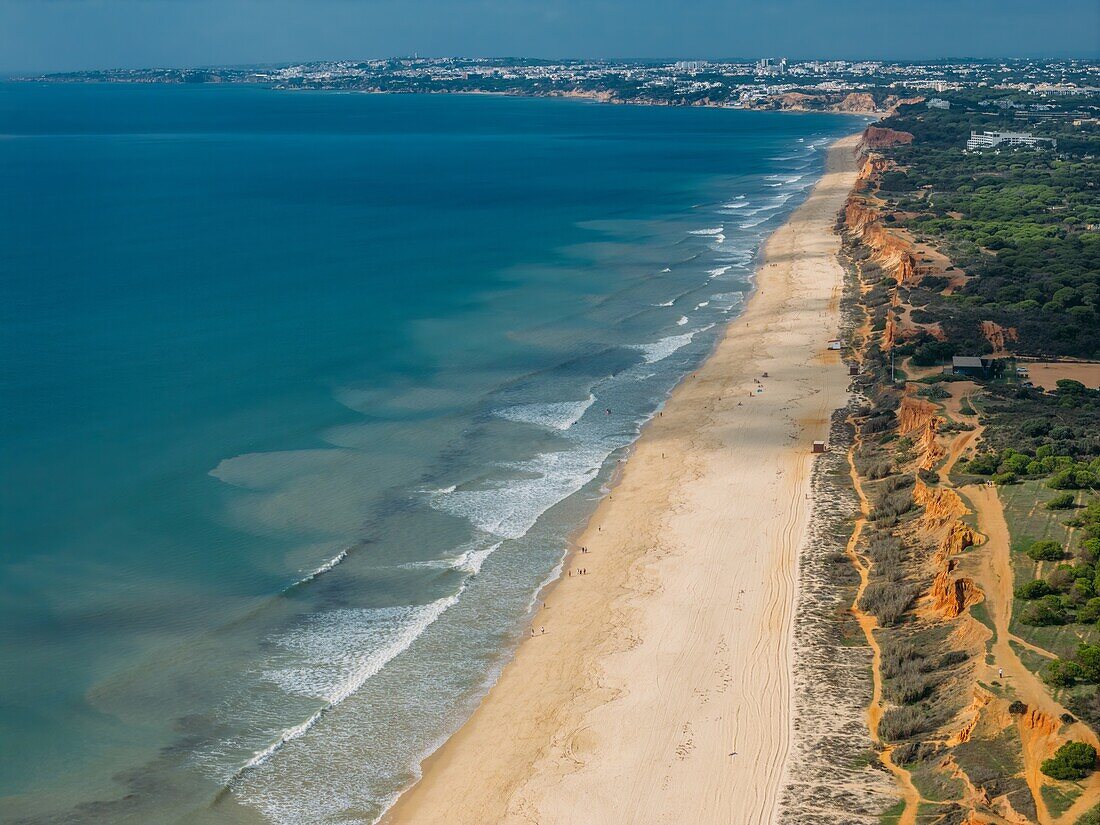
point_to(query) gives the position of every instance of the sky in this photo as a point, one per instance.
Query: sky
(60, 35)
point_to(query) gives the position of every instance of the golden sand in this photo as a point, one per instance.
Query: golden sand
(661, 690)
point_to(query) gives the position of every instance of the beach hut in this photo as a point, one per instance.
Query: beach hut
(853, 369)
(835, 344)
(819, 446)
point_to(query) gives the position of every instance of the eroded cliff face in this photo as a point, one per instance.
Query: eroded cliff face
(859, 102)
(951, 594)
(889, 250)
(998, 335)
(877, 137)
(917, 419)
(853, 102)
(945, 563)
(792, 101)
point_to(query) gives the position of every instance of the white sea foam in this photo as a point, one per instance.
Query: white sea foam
(336, 652)
(665, 304)
(719, 271)
(786, 178)
(728, 296)
(702, 304)
(667, 269)
(741, 204)
(324, 568)
(471, 560)
(557, 415)
(715, 231)
(509, 509)
(738, 256)
(683, 320)
(288, 735)
(659, 350)
(756, 222)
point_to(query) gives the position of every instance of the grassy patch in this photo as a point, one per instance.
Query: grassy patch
(1033, 661)
(935, 785)
(892, 815)
(1060, 797)
(1028, 521)
(989, 761)
(981, 612)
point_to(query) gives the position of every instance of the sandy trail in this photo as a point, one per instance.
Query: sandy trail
(661, 691)
(1039, 734)
(868, 624)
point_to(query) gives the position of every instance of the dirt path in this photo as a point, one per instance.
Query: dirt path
(1039, 734)
(868, 623)
(960, 391)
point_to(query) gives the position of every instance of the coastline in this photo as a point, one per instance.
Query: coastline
(662, 686)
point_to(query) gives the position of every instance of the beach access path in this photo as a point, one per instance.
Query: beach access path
(661, 688)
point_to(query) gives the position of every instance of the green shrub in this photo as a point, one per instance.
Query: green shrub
(1034, 590)
(1062, 501)
(928, 476)
(1090, 549)
(1062, 673)
(937, 393)
(1088, 658)
(1080, 592)
(1016, 463)
(1046, 551)
(887, 601)
(1090, 611)
(1002, 479)
(1074, 760)
(932, 353)
(906, 721)
(1044, 612)
(893, 504)
(984, 464)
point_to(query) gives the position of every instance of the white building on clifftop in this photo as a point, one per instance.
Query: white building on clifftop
(991, 140)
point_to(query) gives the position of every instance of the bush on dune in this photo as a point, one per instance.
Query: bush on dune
(1074, 760)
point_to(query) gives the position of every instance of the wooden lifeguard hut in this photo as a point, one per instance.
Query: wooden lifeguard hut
(819, 446)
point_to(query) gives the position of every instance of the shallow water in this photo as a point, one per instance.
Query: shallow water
(302, 395)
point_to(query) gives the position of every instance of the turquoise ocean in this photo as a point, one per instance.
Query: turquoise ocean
(302, 395)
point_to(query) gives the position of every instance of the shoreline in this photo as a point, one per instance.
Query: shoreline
(584, 723)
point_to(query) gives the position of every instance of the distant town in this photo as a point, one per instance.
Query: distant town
(1041, 86)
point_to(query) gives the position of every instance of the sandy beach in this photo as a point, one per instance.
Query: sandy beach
(657, 685)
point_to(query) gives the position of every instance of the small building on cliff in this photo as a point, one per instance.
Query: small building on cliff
(970, 365)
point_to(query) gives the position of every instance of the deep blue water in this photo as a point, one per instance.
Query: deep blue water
(249, 334)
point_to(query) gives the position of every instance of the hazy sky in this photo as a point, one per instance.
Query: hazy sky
(42, 35)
